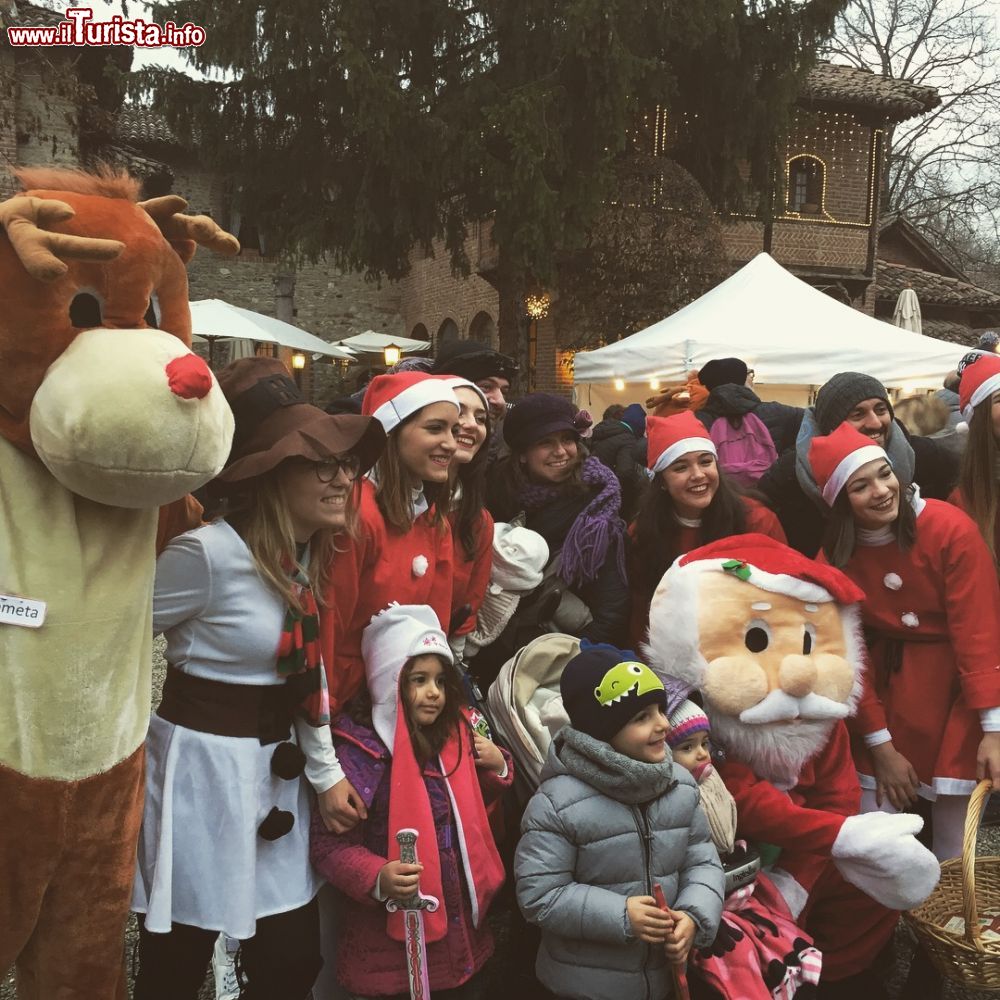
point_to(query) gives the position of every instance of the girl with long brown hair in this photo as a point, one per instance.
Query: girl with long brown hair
(402, 551)
(245, 710)
(689, 503)
(928, 724)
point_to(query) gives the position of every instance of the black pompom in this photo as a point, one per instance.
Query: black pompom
(276, 824)
(774, 974)
(287, 761)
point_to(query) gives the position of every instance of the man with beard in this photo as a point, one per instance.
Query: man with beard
(864, 403)
(770, 639)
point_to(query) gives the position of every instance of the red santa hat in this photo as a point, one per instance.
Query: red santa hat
(673, 648)
(837, 456)
(670, 437)
(390, 399)
(980, 379)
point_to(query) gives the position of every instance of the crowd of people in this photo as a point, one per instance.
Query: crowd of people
(364, 572)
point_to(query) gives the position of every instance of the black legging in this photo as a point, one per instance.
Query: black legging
(281, 960)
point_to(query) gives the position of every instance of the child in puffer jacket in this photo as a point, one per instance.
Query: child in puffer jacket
(612, 817)
(417, 763)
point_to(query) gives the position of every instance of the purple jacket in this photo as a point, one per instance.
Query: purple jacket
(369, 962)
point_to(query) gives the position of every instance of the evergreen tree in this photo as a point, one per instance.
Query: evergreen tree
(364, 128)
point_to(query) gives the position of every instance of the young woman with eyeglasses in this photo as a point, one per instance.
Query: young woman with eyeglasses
(242, 730)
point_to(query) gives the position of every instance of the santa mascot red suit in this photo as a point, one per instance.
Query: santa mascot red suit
(771, 640)
(105, 416)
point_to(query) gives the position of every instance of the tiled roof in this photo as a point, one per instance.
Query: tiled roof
(900, 99)
(138, 126)
(30, 14)
(937, 288)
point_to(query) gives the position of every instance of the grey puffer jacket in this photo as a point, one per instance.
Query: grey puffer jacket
(603, 827)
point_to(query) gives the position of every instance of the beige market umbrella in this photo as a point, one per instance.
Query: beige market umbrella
(906, 315)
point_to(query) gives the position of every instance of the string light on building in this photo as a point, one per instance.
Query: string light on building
(620, 384)
(537, 306)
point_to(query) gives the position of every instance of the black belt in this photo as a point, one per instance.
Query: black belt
(261, 712)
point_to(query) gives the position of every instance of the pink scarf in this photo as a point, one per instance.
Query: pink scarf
(410, 806)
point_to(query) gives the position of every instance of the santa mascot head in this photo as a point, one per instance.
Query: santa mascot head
(771, 640)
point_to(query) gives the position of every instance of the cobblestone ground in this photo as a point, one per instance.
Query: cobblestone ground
(989, 845)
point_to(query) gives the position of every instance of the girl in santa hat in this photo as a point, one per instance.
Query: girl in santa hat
(244, 719)
(471, 523)
(928, 726)
(409, 746)
(978, 490)
(691, 502)
(402, 548)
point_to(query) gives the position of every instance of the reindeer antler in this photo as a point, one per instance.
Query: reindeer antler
(39, 250)
(166, 212)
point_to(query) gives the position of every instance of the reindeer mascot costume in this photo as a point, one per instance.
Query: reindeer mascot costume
(771, 641)
(105, 417)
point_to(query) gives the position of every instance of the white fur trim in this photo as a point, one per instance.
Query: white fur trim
(879, 854)
(985, 388)
(414, 397)
(877, 738)
(682, 447)
(989, 720)
(846, 468)
(464, 383)
(794, 895)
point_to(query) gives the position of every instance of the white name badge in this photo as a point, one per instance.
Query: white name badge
(20, 611)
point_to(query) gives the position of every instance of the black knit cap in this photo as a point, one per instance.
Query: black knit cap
(539, 414)
(473, 360)
(723, 371)
(603, 687)
(841, 394)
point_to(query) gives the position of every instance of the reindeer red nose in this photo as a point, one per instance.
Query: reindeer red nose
(188, 377)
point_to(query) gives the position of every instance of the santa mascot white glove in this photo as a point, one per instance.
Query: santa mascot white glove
(879, 853)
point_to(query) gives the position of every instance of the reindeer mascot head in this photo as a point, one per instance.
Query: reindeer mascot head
(105, 417)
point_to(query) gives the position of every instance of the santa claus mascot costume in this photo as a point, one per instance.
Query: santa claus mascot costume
(105, 416)
(771, 641)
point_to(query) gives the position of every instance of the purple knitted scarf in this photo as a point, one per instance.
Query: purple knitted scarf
(597, 534)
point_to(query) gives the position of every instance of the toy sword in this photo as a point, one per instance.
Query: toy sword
(413, 921)
(679, 971)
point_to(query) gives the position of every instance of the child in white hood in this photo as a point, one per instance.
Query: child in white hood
(409, 749)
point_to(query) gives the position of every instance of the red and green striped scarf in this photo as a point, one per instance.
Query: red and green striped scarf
(299, 660)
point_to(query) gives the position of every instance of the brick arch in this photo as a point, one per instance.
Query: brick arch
(483, 327)
(447, 331)
(419, 332)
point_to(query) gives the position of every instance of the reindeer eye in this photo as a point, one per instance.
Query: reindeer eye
(85, 310)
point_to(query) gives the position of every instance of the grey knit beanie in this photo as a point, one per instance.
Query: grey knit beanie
(841, 394)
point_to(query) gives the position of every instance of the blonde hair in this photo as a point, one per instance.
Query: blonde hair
(260, 516)
(923, 415)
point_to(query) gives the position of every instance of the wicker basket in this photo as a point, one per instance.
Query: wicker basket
(967, 885)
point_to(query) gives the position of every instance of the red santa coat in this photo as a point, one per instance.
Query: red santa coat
(760, 519)
(848, 926)
(471, 577)
(940, 601)
(379, 566)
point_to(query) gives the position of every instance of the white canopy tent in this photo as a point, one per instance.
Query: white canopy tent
(215, 319)
(371, 342)
(791, 334)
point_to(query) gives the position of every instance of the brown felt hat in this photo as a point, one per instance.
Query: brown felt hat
(274, 422)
